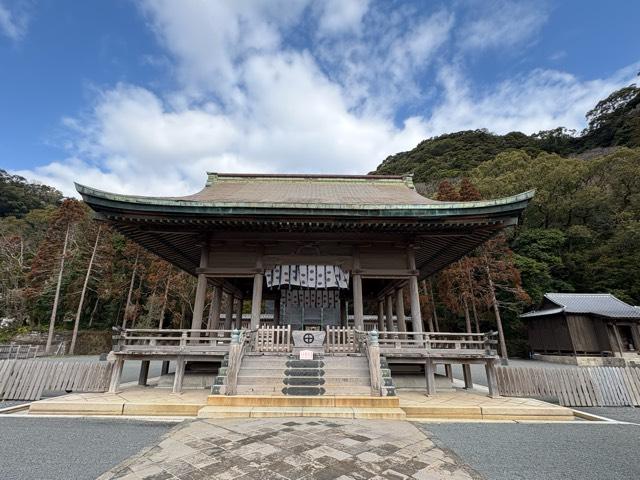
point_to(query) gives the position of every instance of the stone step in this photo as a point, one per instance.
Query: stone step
(301, 372)
(299, 380)
(278, 389)
(361, 401)
(389, 413)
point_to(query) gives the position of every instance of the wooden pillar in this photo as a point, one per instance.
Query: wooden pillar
(380, 315)
(466, 373)
(358, 312)
(448, 371)
(239, 307)
(144, 372)
(276, 311)
(179, 375)
(256, 301)
(214, 309)
(165, 367)
(201, 290)
(116, 375)
(430, 376)
(416, 315)
(616, 332)
(402, 325)
(228, 312)
(344, 315)
(389, 313)
(492, 382)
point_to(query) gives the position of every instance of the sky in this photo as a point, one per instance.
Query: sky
(144, 97)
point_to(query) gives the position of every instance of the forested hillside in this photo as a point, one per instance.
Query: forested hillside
(582, 230)
(581, 233)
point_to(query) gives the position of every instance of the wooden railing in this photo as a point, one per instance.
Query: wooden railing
(272, 339)
(15, 352)
(439, 343)
(182, 341)
(240, 341)
(340, 340)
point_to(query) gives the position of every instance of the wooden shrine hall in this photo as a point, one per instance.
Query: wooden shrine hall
(321, 251)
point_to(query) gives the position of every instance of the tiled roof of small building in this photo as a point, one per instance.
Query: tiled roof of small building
(603, 304)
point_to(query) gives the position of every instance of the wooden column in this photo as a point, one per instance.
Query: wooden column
(389, 313)
(165, 367)
(358, 309)
(416, 315)
(201, 290)
(238, 320)
(492, 382)
(256, 301)
(430, 376)
(276, 311)
(228, 312)
(116, 374)
(179, 375)
(466, 373)
(402, 325)
(144, 372)
(344, 315)
(616, 332)
(214, 309)
(380, 315)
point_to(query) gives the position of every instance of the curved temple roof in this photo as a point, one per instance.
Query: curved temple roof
(304, 194)
(603, 304)
(363, 206)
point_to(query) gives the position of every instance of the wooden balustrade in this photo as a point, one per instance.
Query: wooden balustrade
(272, 339)
(340, 340)
(173, 341)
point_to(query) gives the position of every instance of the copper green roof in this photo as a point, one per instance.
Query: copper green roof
(307, 195)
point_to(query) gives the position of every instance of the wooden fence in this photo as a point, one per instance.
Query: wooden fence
(340, 340)
(573, 387)
(28, 379)
(272, 339)
(13, 352)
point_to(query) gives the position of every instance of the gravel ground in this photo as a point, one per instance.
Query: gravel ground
(70, 448)
(544, 451)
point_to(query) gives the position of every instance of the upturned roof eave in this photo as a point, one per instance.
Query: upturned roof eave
(142, 204)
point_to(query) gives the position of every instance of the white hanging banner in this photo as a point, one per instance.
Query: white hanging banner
(307, 276)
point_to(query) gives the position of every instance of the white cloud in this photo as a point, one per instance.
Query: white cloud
(339, 16)
(12, 24)
(248, 100)
(502, 23)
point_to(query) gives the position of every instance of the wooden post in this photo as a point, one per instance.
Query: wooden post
(402, 325)
(201, 290)
(179, 375)
(616, 332)
(430, 376)
(343, 313)
(228, 312)
(380, 315)
(116, 374)
(414, 291)
(492, 383)
(276, 311)
(389, 313)
(448, 371)
(466, 373)
(358, 312)
(144, 372)
(214, 309)
(165, 368)
(256, 301)
(239, 307)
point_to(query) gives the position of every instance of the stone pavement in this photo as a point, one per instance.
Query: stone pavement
(292, 448)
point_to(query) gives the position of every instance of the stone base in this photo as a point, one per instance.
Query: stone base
(190, 381)
(585, 361)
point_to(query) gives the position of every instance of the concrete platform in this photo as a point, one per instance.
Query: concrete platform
(454, 405)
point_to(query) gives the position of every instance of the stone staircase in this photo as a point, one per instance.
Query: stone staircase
(277, 374)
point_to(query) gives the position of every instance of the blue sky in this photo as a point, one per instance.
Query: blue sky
(144, 97)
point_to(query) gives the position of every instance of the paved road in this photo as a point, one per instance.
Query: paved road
(544, 451)
(622, 414)
(70, 449)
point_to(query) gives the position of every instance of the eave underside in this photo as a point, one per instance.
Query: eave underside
(437, 243)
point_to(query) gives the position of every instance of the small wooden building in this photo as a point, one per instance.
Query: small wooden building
(584, 324)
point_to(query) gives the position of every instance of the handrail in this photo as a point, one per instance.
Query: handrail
(240, 339)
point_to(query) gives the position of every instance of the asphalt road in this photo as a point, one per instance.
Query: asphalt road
(506, 451)
(70, 448)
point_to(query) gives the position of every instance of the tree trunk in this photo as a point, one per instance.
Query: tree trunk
(467, 317)
(164, 300)
(56, 298)
(93, 312)
(76, 324)
(138, 295)
(496, 311)
(473, 302)
(433, 306)
(127, 308)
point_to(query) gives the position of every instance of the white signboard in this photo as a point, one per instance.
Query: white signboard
(306, 355)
